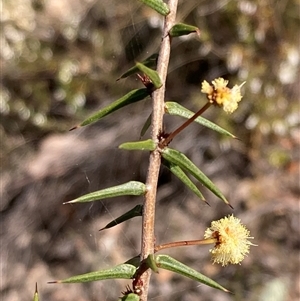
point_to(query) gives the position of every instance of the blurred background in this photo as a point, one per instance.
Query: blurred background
(59, 63)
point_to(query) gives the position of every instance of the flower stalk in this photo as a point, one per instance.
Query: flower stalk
(171, 136)
(184, 243)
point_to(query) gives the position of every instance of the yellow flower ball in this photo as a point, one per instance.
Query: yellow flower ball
(232, 240)
(219, 94)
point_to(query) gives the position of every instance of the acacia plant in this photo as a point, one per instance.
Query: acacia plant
(230, 239)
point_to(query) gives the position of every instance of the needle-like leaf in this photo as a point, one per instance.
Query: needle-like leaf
(129, 188)
(136, 211)
(139, 145)
(131, 97)
(182, 161)
(146, 126)
(36, 294)
(168, 263)
(180, 174)
(182, 29)
(158, 5)
(149, 62)
(130, 297)
(121, 271)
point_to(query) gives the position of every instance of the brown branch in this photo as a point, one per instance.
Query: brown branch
(155, 158)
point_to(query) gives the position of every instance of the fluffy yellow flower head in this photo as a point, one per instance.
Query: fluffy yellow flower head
(232, 243)
(219, 94)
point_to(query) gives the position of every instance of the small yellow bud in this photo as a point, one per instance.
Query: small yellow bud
(219, 94)
(232, 243)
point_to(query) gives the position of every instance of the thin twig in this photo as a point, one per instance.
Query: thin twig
(155, 158)
(184, 243)
(169, 138)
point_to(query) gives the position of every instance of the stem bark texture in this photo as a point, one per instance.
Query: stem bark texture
(158, 97)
